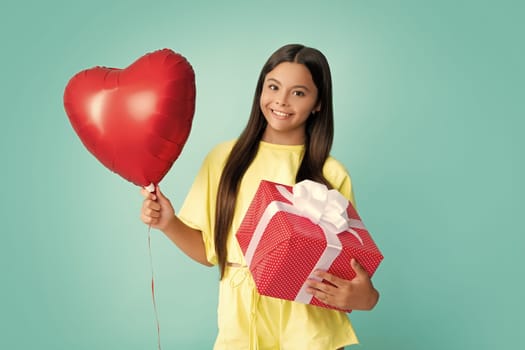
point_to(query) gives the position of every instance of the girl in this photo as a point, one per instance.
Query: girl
(287, 139)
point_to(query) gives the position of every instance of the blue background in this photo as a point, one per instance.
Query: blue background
(428, 100)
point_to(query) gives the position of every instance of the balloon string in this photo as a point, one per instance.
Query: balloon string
(153, 287)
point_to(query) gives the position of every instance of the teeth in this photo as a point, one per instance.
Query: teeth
(281, 114)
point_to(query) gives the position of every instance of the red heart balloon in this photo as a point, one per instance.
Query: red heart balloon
(135, 120)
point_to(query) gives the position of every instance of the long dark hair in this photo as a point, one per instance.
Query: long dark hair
(318, 140)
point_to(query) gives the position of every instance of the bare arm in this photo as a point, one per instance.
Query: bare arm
(158, 212)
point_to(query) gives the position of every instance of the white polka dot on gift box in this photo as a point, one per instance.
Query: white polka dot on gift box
(292, 247)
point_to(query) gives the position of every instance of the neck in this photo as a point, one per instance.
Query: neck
(290, 139)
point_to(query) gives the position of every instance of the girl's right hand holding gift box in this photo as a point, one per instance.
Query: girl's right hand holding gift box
(356, 294)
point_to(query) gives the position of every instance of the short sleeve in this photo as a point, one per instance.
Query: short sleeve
(346, 189)
(339, 178)
(198, 209)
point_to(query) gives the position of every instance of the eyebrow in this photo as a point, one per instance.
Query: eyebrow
(293, 87)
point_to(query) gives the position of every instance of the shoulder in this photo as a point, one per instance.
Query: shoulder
(220, 152)
(336, 173)
(334, 169)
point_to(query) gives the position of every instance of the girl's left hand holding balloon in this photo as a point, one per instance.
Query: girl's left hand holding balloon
(356, 294)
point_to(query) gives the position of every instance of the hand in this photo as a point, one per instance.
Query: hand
(356, 294)
(157, 210)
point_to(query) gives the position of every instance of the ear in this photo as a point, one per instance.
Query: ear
(317, 108)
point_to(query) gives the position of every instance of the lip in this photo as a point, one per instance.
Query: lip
(280, 114)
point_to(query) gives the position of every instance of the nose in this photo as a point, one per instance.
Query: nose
(281, 100)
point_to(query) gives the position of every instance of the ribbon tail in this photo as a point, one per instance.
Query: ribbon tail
(352, 231)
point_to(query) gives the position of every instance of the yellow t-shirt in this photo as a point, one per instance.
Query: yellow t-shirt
(246, 319)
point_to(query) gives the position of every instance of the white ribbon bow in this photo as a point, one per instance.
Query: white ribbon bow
(324, 207)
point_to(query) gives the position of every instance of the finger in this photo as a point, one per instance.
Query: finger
(148, 220)
(152, 213)
(150, 204)
(336, 281)
(359, 270)
(159, 193)
(323, 287)
(147, 195)
(319, 295)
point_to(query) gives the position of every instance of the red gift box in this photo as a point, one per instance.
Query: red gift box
(288, 233)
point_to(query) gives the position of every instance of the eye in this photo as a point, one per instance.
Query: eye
(273, 87)
(298, 93)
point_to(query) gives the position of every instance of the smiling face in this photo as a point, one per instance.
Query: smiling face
(288, 98)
